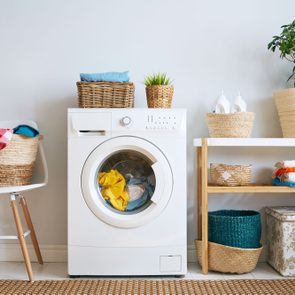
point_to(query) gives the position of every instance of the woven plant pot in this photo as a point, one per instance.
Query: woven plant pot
(105, 95)
(229, 259)
(159, 96)
(230, 125)
(235, 228)
(230, 175)
(17, 160)
(285, 103)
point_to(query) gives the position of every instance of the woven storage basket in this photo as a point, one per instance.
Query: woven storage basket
(105, 95)
(230, 175)
(230, 125)
(229, 259)
(159, 96)
(285, 103)
(235, 228)
(17, 160)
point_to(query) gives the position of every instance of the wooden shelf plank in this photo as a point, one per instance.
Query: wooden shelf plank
(250, 189)
(255, 142)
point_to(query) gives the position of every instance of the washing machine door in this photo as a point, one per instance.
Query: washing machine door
(131, 163)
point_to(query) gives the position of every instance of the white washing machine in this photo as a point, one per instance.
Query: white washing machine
(147, 148)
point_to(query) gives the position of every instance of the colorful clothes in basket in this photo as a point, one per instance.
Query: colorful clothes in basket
(26, 130)
(284, 174)
(5, 137)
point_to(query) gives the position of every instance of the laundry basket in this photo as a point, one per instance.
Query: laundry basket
(227, 259)
(235, 228)
(105, 94)
(17, 160)
(230, 125)
(230, 175)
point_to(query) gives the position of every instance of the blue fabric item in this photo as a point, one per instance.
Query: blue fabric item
(105, 77)
(147, 194)
(26, 130)
(277, 181)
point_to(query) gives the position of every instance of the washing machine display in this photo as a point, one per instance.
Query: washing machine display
(126, 182)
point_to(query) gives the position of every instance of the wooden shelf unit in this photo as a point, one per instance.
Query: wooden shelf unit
(204, 188)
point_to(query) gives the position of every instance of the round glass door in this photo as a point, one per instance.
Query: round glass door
(126, 181)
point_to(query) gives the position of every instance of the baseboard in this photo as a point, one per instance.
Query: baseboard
(50, 253)
(58, 253)
(191, 254)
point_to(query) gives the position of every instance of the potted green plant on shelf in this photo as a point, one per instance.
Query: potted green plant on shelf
(159, 90)
(285, 98)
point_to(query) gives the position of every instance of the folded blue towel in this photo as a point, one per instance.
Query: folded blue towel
(277, 181)
(26, 130)
(105, 77)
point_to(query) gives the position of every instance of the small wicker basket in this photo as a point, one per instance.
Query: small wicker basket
(230, 175)
(229, 259)
(105, 94)
(230, 125)
(17, 161)
(159, 96)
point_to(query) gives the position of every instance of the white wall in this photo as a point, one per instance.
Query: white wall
(205, 46)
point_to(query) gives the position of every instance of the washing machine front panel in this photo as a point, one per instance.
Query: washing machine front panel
(146, 171)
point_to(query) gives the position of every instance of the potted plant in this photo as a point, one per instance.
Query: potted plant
(285, 99)
(159, 90)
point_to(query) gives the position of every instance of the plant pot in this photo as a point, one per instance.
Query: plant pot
(285, 103)
(159, 96)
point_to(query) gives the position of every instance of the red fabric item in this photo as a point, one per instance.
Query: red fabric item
(285, 170)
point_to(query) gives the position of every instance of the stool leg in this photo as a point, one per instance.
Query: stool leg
(20, 234)
(31, 228)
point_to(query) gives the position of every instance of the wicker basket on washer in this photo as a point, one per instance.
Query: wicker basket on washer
(230, 125)
(105, 94)
(17, 160)
(230, 175)
(229, 259)
(159, 96)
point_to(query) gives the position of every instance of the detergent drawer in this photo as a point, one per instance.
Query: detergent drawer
(90, 123)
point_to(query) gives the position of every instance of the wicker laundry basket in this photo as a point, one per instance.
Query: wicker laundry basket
(230, 175)
(229, 259)
(105, 94)
(17, 160)
(230, 125)
(159, 96)
(235, 228)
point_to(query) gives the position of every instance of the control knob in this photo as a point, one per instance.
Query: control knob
(126, 121)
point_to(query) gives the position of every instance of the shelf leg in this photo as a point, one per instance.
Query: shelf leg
(204, 203)
(199, 192)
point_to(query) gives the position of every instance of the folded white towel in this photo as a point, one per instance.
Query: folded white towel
(285, 164)
(288, 177)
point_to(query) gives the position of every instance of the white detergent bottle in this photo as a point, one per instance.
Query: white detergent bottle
(239, 105)
(222, 105)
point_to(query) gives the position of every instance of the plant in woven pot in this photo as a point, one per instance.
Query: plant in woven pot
(159, 90)
(285, 98)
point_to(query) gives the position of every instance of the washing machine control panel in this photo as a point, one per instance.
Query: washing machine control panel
(162, 122)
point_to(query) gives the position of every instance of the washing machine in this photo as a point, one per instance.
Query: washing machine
(127, 192)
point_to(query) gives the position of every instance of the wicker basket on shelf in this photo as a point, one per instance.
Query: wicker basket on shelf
(159, 96)
(105, 94)
(227, 259)
(230, 125)
(17, 161)
(230, 175)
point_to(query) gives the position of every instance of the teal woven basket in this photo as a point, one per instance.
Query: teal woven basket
(235, 228)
